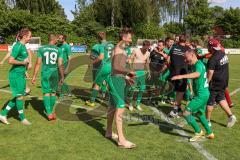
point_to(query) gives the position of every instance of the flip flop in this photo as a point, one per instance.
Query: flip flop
(113, 136)
(127, 145)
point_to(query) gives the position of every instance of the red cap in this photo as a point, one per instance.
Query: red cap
(214, 43)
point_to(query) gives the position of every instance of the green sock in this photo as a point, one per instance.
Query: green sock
(64, 88)
(104, 88)
(192, 122)
(130, 96)
(94, 95)
(19, 104)
(9, 106)
(187, 95)
(204, 122)
(52, 102)
(47, 104)
(139, 97)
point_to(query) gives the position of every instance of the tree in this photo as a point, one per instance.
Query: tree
(149, 30)
(123, 13)
(230, 22)
(199, 18)
(3, 6)
(174, 28)
(39, 6)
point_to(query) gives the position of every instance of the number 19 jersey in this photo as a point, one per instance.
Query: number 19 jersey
(49, 79)
(50, 55)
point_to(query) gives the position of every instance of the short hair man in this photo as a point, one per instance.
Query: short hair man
(218, 76)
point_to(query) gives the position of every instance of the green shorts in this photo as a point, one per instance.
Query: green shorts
(103, 74)
(94, 73)
(49, 81)
(165, 75)
(117, 86)
(154, 80)
(17, 83)
(140, 80)
(198, 104)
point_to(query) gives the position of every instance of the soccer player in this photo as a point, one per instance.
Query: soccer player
(169, 43)
(98, 55)
(8, 55)
(140, 61)
(106, 67)
(197, 105)
(66, 49)
(117, 83)
(178, 66)
(157, 65)
(51, 58)
(165, 75)
(19, 61)
(218, 76)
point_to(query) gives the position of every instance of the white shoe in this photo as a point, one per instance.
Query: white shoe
(139, 107)
(26, 122)
(197, 137)
(163, 102)
(209, 124)
(174, 114)
(3, 119)
(69, 95)
(130, 107)
(231, 121)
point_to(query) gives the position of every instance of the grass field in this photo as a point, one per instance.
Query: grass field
(78, 132)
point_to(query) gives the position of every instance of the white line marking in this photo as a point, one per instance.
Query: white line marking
(3, 80)
(235, 91)
(234, 79)
(196, 145)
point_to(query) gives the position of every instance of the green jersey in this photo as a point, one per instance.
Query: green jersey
(50, 55)
(166, 51)
(19, 53)
(108, 50)
(128, 51)
(97, 49)
(66, 49)
(200, 84)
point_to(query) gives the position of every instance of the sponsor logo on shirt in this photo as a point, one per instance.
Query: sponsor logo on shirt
(177, 51)
(224, 60)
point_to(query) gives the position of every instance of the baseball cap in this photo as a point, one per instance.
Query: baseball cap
(214, 43)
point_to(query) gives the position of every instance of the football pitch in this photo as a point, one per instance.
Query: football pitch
(78, 133)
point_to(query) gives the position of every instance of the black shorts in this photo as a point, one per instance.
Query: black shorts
(179, 85)
(216, 97)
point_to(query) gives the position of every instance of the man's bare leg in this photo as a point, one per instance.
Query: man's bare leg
(231, 118)
(175, 112)
(209, 112)
(179, 98)
(225, 107)
(110, 116)
(119, 124)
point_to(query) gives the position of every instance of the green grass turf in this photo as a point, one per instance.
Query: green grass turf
(72, 138)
